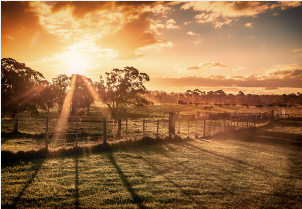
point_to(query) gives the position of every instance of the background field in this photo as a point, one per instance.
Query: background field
(254, 168)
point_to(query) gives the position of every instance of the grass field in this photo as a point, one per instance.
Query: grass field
(254, 168)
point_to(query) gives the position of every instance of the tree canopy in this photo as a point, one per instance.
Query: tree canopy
(20, 87)
(122, 87)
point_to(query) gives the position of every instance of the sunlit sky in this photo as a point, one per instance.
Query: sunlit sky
(254, 47)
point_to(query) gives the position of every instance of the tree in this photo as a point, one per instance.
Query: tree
(81, 96)
(20, 87)
(47, 97)
(60, 85)
(121, 88)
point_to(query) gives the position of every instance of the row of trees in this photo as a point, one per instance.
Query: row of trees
(24, 89)
(220, 97)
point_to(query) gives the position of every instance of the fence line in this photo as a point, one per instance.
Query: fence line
(90, 130)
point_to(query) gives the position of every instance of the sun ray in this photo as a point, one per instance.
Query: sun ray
(34, 91)
(92, 90)
(61, 126)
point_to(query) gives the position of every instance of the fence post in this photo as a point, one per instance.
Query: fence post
(77, 131)
(172, 120)
(104, 130)
(126, 128)
(119, 126)
(46, 134)
(204, 128)
(16, 125)
(247, 124)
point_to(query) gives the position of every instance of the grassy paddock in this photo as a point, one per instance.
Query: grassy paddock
(255, 168)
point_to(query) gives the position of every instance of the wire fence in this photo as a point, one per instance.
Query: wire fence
(85, 131)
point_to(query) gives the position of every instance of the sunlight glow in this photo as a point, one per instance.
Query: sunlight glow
(76, 64)
(62, 126)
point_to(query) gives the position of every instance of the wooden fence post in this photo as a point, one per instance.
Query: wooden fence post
(46, 134)
(178, 126)
(119, 127)
(77, 131)
(172, 120)
(104, 130)
(16, 125)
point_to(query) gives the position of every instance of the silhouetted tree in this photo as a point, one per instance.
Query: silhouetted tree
(20, 87)
(60, 85)
(81, 97)
(122, 87)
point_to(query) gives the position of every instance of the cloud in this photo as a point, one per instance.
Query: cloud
(187, 22)
(249, 25)
(121, 26)
(130, 37)
(21, 32)
(225, 13)
(81, 8)
(239, 68)
(290, 76)
(171, 24)
(191, 33)
(297, 50)
(198, 42)
(207, 65)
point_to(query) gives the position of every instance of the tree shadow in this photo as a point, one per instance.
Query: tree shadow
(186, 193)
(28, 183)
(136, 199)
(238, 162)
(178, 163)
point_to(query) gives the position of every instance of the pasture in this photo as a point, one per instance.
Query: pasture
(253, 168)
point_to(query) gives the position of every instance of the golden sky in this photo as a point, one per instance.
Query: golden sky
(255, 47)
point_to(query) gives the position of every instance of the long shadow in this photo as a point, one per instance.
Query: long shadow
(76, 194)
(264, 136)
(135, 197)
(169, 180)
(28, 183)
(241, 163)
(177, 163)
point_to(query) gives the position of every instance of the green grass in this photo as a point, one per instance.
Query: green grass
(255, 168)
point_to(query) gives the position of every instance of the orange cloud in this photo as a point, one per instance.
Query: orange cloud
(22, 37)
(279, 76)
(120, 26)
(249, 25)
(171, 24)
(225, 13)
(207, 65)
(130, 37)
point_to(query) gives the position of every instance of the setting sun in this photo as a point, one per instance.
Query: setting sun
(76, 64)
